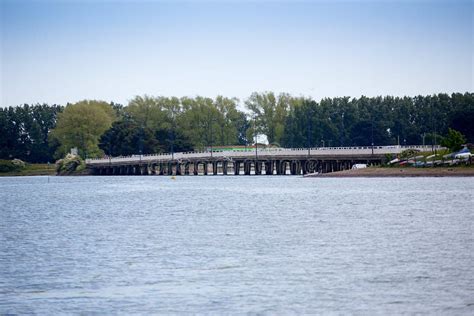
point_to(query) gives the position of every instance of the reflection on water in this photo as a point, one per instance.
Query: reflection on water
(236, 244)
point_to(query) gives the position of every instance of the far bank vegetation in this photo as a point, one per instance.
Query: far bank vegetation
(147, 124)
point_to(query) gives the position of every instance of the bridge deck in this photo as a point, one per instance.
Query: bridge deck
(324, 153)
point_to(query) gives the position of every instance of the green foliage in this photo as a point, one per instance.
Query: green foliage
(388, 157)
(150, 112)
(24, 132)
(205, 122)
(173, 140)
(19, 163)
(149, 124)
(454, 140)
(11, 165)
(408, 153)
(81, 125)
(69, 164)
(381, 120)
(269, 113)
(127, 138)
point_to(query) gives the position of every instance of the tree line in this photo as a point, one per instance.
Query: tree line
(147, 124)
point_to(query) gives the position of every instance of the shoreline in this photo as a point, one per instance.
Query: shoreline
(371, 172)
(32, 170)
(379, 172)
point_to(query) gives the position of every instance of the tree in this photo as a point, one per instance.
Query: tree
(173, 140)
(126, 138)
(24, 132)
(151, 124)
(228, 119)
(454, 140)
(81, 125)
(462, 116)
(242, 124)
(153, 112)
(270, 113)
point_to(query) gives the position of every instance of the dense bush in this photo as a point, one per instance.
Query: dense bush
(408, 153)
(11, 165)
(69, 164)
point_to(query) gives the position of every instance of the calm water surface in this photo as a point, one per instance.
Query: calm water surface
(236, 245)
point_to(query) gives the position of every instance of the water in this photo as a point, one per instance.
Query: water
(236, 244)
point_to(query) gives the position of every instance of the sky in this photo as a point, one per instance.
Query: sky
(67, 51)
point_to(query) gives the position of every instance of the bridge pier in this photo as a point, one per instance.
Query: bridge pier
(236, 168)
(269, 167)
(278, 167)
(247, 167)
(224, 167)
(257, 167)
(293, 167)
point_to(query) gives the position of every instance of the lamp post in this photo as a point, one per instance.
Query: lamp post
(211, 139)
(110, 154)
(256, 139)
(140, 144)
(309, 131)
(372, 134)
(341, 136)
(209, 126)
(172, 131)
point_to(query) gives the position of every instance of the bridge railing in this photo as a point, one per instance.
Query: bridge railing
(264, 152)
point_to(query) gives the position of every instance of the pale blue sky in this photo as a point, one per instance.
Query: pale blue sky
(66, 51)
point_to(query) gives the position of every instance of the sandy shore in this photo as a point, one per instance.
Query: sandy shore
(399, 172)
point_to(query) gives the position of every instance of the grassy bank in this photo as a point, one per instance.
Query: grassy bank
(39, 169)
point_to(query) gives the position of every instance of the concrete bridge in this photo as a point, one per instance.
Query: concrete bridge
(279, 161)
